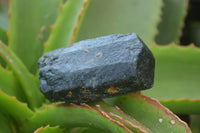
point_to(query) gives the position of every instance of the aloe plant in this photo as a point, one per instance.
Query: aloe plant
(36, 27)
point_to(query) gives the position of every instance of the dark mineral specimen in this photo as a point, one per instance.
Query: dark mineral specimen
(98, 68)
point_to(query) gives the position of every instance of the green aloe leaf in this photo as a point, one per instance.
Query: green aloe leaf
(30, 27)
(176, 76)
(49, 129)
(10, 85)
(85, 130)
(184, 106)
(116, 113)
(63, 31)
(29, 86)
(194, 32)
(3, 29)
(3, 36)
(171, 25)
(5, 124)
(150, 113)
(69, 116)
(4, 39)
(4, 21)
(17, 110)
(116, 16)
(194, 123)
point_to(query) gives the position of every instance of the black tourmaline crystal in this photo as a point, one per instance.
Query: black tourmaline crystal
(98, 68)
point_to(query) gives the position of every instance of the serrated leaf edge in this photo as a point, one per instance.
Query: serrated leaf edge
(166, 111)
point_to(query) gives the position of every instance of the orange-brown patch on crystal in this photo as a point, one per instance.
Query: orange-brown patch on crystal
(112, 90)
(88, 92)
(69, 94)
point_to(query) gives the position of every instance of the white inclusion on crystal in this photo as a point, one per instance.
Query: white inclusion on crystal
(160, 120)
(86, 50)
(100, 54)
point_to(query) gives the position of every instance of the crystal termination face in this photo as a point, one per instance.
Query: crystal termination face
(94, 69)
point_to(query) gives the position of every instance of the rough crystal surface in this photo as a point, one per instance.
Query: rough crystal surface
(98, 68)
